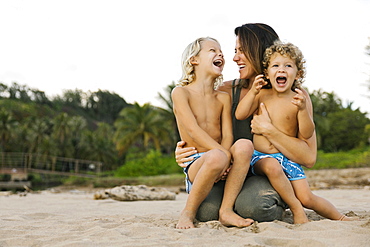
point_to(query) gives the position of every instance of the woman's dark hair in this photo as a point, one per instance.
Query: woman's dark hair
(254, 39)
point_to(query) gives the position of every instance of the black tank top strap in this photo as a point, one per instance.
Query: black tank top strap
(235, 93)
(241, 128)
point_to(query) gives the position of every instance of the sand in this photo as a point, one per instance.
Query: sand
(73, 218)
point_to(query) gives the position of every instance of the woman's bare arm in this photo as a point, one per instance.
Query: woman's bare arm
(181, 153)
(302, 151)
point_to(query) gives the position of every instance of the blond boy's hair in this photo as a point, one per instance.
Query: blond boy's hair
(188, 72)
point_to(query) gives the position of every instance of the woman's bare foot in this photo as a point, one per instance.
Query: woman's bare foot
(346, 218)
(186, 221)
(230, 218)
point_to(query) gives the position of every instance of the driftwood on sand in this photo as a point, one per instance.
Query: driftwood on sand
(135, 193)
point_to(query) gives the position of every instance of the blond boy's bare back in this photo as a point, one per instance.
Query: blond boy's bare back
(206, 111)
(283, 115)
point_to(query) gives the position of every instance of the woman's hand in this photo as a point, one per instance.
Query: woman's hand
(261, 123)
(181, 153)
(224, 175)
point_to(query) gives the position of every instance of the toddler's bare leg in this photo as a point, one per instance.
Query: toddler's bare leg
(320, 205)
(241, 152)
(272, 169)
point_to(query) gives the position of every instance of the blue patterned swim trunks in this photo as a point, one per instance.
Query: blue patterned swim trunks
(291, 169)
(188, 184)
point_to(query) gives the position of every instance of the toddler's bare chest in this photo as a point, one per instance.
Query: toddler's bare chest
(283, 114)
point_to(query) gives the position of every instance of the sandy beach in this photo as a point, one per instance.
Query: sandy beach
(71, 217)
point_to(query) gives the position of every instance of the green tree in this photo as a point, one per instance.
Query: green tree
(6, 128)
(98, 145)
(105, 106)
(62, 134)
(73, 97)
(347, 130)
(169, 117)
(38, 128)
(140, 125)
(77, 125)
(323, 103)
(3, 90)
(338, 128)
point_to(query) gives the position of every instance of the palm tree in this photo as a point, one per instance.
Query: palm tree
(139, 124)
(38, 130)
(99, 145)
(169, 116)
(62, 134)
(6, 127)
(77, 125)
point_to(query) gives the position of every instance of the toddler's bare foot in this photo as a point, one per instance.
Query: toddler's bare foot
(186, 221)
(346, 218)
(230, 218)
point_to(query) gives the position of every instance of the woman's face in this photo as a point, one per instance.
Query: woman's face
(245, 67)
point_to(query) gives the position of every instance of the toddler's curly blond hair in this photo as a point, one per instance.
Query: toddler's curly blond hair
(287, 50)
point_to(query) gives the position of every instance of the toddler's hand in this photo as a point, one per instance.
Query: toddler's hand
(299, 100)
(258, 83)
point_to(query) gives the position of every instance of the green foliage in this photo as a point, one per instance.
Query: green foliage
(141, 125)
(22, 110)
(351, 159)
(105, 106)
(153, 163)
(347, 130)
(338, 128)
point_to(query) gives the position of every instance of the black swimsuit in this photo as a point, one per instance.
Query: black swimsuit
(241, 128)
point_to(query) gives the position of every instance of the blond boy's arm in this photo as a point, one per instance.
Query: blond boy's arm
(226, 122)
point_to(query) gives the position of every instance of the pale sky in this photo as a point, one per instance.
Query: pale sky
(133, 48)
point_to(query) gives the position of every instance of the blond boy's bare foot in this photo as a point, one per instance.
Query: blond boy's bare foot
(300, 217)
(230, 218)
(186, 221)
(346, 218)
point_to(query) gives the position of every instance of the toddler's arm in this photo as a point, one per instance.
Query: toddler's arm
(306, 126)
(249, 104)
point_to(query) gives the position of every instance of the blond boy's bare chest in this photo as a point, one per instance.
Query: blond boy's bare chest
(207, 110)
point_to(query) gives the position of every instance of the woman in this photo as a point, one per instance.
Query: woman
(257, 199)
